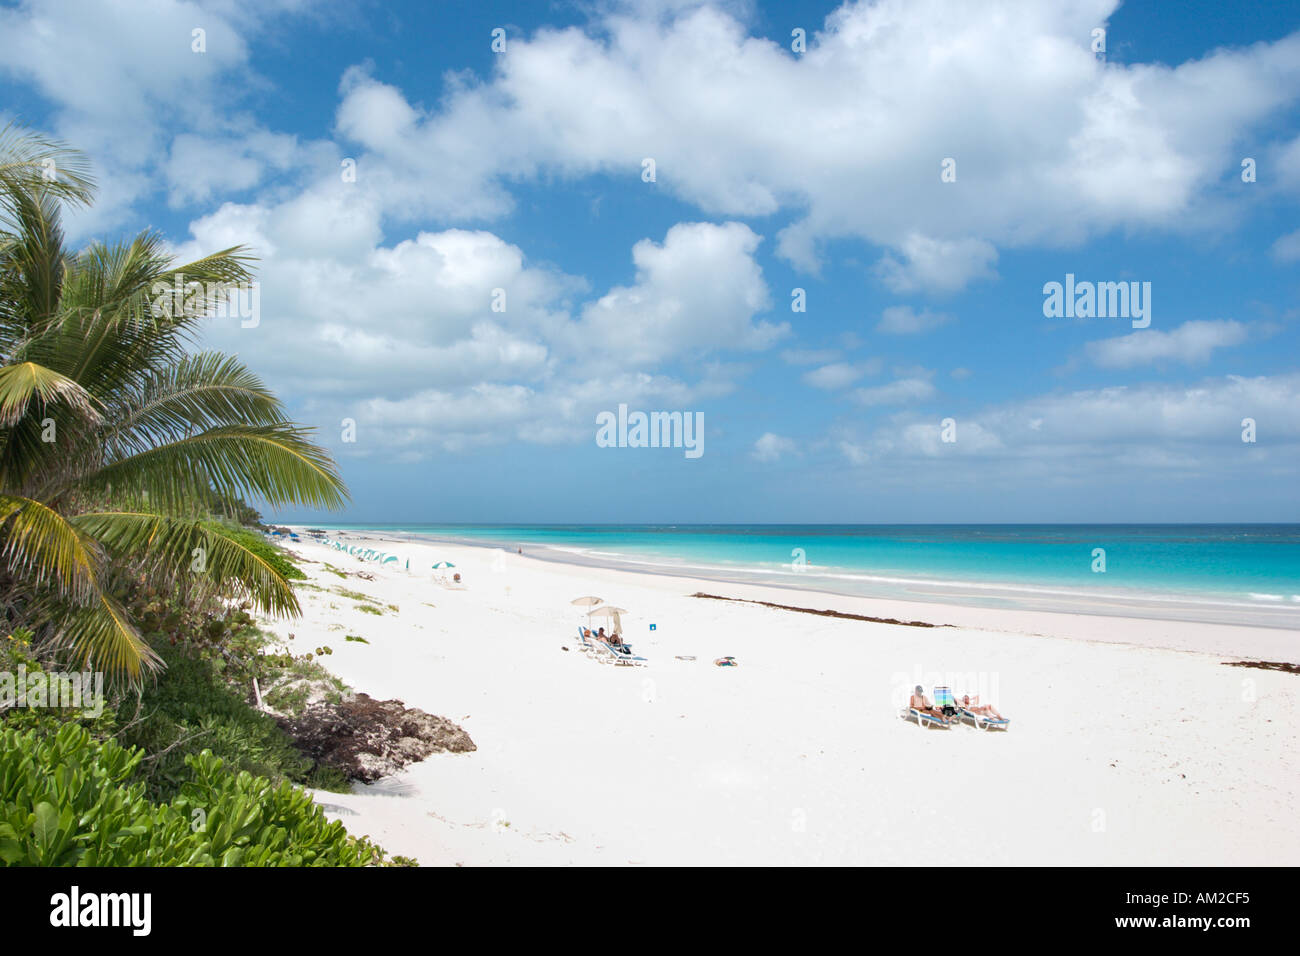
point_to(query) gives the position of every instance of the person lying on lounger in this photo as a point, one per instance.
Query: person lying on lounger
(975, 707)
(918, 702)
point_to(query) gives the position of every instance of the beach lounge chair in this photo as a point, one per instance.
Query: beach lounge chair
(929, 720)
(606, 654)
(945, 701)
(981, 721)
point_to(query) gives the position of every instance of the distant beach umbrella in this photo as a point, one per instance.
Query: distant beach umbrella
(443, 564)
(588, 603)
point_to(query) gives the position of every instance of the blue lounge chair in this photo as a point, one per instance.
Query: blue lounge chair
(982, 721)
(924, 719)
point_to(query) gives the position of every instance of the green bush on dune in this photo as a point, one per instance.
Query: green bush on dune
(191, 710)
(255, 543)
(67, 800)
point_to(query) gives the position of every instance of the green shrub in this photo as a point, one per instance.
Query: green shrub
(191, 709)
(66, 800)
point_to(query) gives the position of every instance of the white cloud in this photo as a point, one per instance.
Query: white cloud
(124, 82)
(700, 290)
(1287, 248)
(1191, 343)
(904, 320)
(809, 356)
(404, 338)
(770, 447)
(937, 265)
(1050, 145)
(1074, 436)
(904, 391)
(834, 376)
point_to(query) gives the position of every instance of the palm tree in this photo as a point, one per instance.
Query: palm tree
(114, 433)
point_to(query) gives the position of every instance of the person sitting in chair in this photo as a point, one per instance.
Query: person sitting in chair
(973, 705)
(918, 702)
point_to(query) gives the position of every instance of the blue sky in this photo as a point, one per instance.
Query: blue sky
(775, 170)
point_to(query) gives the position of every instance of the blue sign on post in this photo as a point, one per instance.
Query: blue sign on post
(652, 627)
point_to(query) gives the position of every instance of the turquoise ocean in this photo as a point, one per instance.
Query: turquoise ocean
(1248, 573)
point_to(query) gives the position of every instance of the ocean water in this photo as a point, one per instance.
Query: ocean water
(1249, 573)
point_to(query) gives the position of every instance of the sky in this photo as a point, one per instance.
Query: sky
(827, 231)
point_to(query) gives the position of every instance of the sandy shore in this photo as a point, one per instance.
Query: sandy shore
(1130, 743)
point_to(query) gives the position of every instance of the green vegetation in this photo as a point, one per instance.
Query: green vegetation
(89, 813)
(353, 595)
(126, 550)
(257, 545)
(369, 609)
(353, 637)
(113, 436)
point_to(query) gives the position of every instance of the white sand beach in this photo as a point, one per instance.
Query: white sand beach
(1130, 743)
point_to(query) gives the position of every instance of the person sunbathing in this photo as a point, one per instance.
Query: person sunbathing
(973, 705)
(918, 702)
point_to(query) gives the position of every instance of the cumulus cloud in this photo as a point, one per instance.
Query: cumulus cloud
(699, 290)
(809, 356)
(903, 391)
(453, 339)
(904, 320)
(1050, 145)
(1073, 435)
(1192, 343)
(127, 86)
(1287, 248)
(834, 376)
(937, 265)
(770, 447)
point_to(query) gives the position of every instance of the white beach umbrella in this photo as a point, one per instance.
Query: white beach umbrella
(588, 603)
(612, 613)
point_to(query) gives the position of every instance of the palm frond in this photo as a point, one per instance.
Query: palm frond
(102, 637)
(278, 464)
(191, 552)
(22, 383)
(200, 391)
(40, 547)
(30, 161)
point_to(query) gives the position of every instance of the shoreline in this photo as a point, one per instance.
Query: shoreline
(1139, 605)
(797, 756)
(1231, 639)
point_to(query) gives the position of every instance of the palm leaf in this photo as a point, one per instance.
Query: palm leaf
(43, 549)
(102, 636)
(21, 383)
(275, 463)
(189, 551)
